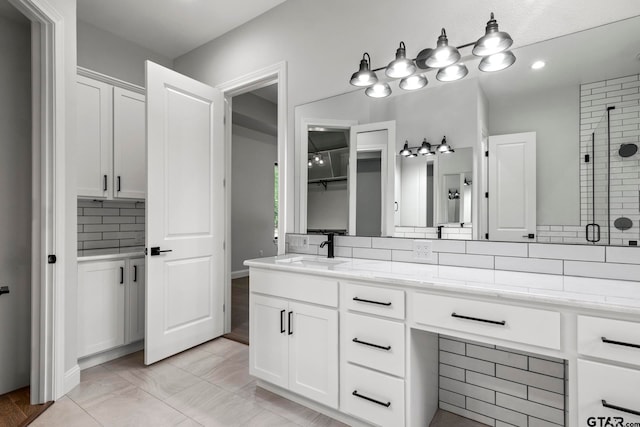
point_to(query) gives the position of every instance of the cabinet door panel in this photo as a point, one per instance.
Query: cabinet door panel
(135, 300)
(268, 352)
(94, 136)
(313, 353)
(101, 287)
(129, 144)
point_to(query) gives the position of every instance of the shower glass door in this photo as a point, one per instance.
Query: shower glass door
(598, 194)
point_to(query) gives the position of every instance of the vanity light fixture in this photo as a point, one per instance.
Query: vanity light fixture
(493, 41)
(417, 81)
(401, 66)
(497, 61)
(454, 194)
(443, 55)
(467, 182)
(425, 149)
(364, 76)
(405, 152)
(492, 47)
(452, 72)
(444, 147)
(378, 90)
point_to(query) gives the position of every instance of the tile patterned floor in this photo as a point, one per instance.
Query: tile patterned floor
(208, 385)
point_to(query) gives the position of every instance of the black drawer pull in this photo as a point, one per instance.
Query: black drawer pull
(121, 275)
(104, 183)
(619, 408)
(356, 340)
(493, 322)
(371, 302)
(355, 393)
(118, 183)
(625, 344)
(282, 330)
(135, 273)
(290, 323)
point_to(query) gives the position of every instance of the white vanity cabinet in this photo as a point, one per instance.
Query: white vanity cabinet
(605, 387)
(111, 145)
(110, 304)
(294, 342)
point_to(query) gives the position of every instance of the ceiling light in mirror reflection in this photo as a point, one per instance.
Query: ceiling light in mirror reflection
(538, 65)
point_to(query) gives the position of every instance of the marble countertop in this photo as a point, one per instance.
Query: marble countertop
(601, 294)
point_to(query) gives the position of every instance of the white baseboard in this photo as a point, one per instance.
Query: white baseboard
(71, 379)
(240, 273)
(109, 355)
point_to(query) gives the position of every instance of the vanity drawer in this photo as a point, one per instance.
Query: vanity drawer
(502, 321)
(376, 343)
(371, 299)
(609, 339)
(372, 396)
(300, 287)
(600, 384)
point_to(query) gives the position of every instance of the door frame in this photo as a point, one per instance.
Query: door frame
(276, 73)
(49, 193)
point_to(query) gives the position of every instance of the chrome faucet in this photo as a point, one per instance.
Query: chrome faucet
(329, 242)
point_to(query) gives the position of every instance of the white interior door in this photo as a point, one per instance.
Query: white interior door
(512, 187)
(185, 213)
(374, 137)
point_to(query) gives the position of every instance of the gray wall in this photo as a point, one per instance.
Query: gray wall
(328, 208)
(253, 156)
(109, 54)
(555, 117)
(15, 209)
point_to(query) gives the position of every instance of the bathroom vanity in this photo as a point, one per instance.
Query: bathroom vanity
(358, 339)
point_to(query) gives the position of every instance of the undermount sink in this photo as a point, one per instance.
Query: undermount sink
(311, 261)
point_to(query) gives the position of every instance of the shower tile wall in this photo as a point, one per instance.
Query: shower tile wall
(623, 94)
(110, 226)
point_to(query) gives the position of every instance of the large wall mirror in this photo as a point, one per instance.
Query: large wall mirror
(546, 154)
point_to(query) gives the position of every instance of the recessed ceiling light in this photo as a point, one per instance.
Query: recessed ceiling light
(538, 65)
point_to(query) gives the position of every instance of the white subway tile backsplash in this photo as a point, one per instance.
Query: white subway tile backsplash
(343, 251)
(497, 384)
(497, 248)
(497, 356)
(101, 212)
(467, 363)
(452, 372)
(629, 255)
(535, 422)
(548, 398)
(528, 407)
(466, 389)
(467, 414)
(602, 270)
(353, 241)
(464, 260)
(497, 412)
(109, 226)
(449, 246)
(544, 382)
(119, 220)
(408, 256)
(100, 227)
(546, 367)
(531, 265)
(452, 346)
(368, 253)
(452, 398)
(392, 243)
(568, 252)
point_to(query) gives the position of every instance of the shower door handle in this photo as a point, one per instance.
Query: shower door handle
(595, 233)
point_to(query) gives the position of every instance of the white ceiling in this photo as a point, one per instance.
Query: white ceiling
(160, 25)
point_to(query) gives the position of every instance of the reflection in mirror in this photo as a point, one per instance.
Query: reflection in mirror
(454, 178)
(583, 106)
(368, 194)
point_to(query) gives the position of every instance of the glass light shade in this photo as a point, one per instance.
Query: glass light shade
(444, 147)
(364, 76)
(310, 164)
(317, 157)
(452, 73)
(378, 90)
(497, 62)
(412, 155)
(401, 66)
(321, 162)
(414, 82)
(443, 55)
(405, 152)
(422, 58)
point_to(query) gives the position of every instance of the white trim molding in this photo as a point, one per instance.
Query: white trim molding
(276, 73)
(49, 192)
(110, 80)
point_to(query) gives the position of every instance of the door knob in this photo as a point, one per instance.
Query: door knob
(156, 250)
(4, 290)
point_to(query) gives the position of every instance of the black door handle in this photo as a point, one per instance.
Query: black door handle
(4, 290)
(121, 275)
(290, 323)
(135, 273)
(104, 183)
(282, 331)
(118, 183)
(156, 250)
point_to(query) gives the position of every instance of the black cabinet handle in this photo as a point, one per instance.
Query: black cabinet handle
(290, 323)
(121, 275)
(387, 348)
(371, 302)
(135, 273)
(104, 183)
(493, 322)
(118, 183)
(386, 405)
(282, 331)
(625, 344)
(4, 290)
(619, 408)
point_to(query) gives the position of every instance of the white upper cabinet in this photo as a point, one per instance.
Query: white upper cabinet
(129, 144)
(94, 136)
(111, 141)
